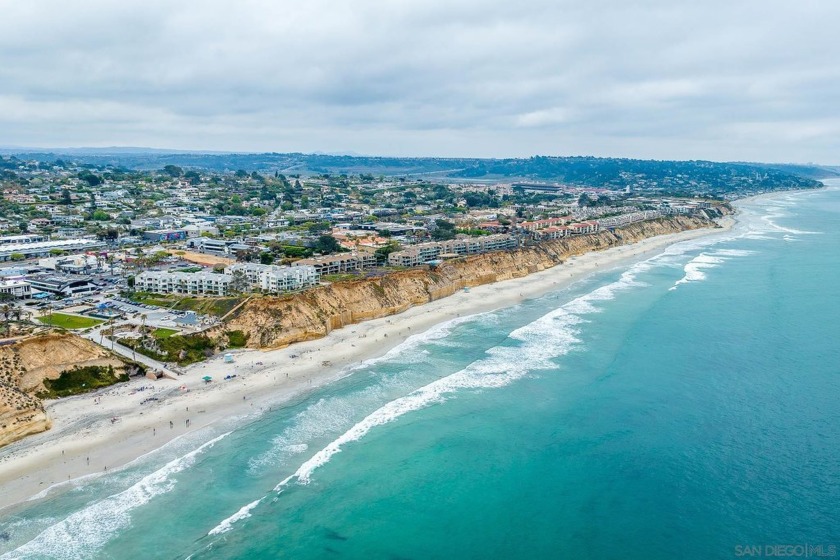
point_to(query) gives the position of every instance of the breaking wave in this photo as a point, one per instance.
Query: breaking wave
(84, 532)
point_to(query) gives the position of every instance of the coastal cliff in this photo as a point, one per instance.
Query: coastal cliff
(271, 322)
(27, 364)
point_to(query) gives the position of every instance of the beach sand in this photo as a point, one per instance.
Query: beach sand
(110, 428)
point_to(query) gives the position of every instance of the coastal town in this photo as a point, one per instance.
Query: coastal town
(141, 273)
(70, 232)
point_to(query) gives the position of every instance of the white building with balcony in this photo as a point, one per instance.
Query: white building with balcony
(188, 283)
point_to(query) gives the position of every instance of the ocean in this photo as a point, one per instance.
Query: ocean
(682, 406)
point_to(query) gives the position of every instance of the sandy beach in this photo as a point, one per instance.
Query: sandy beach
(105, 430)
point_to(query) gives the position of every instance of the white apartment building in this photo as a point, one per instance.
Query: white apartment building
(192, 283)
(272, 279)
(625, 219)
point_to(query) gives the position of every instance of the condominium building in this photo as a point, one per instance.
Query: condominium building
(273, 279)
(625, 219)
(582, 228)
(339, 264)
(192, 283)
(425, 252)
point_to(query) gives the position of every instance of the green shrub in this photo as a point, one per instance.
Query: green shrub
(237, 339)
(81, 380)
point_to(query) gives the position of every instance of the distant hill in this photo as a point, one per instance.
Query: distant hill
(611, 173)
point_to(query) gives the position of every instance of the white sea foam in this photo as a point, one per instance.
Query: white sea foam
(84, 532)
(331, 414)
(778, 227)
(324, 417)
(694, 269)
(733, 253)
(176, 444)
(403, 350)
(243, 513)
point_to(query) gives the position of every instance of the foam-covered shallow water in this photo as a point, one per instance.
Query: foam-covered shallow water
(677, 407)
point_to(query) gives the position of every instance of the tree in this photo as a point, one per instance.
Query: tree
(17, 256)
(193, 177)
(109, 234)
(443, 230)
(383, 252)
(7, 312)
(584, 200)
(90, 178)
(173, 170)
(327, 244)
(239, 282)
(266, 258)
(65, 197)
(319, 227)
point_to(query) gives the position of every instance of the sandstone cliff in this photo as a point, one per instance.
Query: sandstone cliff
(23, 368)
(272, 322)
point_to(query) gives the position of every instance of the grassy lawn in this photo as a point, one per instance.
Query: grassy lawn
(153, 299)
(208, 305)
(217, 306)
(162, 333)
(65, 321)
(340, 277)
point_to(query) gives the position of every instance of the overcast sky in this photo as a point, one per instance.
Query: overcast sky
(711, 79)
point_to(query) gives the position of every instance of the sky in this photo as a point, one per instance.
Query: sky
(725, 80)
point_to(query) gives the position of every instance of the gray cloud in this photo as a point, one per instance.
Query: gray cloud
(725, 80)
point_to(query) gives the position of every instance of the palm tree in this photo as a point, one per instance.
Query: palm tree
(142, 335)
(6, 309)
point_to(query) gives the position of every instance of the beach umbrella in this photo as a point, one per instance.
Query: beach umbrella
(207, 378)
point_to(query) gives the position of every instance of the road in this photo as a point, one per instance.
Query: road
(95, 335)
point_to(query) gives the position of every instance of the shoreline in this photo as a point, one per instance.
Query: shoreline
(85, 441)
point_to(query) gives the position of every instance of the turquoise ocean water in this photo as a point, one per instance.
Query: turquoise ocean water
(685, 406)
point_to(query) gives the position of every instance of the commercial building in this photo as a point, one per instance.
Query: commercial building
(43, 248)
(210, 245)
(61, 285)
(163, 235)
(16, 288)
(17, 239)
(189, 283)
